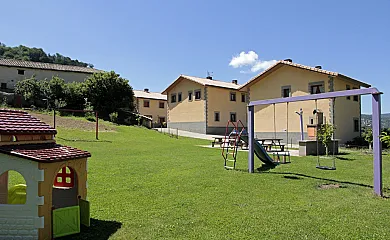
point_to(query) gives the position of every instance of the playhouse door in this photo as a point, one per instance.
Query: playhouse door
(66, 221)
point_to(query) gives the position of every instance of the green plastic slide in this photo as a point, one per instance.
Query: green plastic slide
(260, 152)
(17, 194)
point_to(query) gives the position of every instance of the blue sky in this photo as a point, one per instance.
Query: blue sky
(152, 42)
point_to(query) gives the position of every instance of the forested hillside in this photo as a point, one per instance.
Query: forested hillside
(37, 55)
(366, 120)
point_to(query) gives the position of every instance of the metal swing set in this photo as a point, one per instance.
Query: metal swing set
(376, 125)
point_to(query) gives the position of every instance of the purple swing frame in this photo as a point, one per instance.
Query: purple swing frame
(376, 124)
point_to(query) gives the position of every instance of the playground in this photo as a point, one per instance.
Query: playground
(171, 188)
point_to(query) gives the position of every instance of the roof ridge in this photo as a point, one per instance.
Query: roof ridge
(45, 65)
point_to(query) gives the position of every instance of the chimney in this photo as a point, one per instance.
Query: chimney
(146, 90)
(209, 77)
(318, 67)
(288, 60)
(234, 81)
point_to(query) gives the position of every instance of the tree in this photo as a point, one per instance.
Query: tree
(367, 134)
(29, 89)
(75, 94)
(108, 92)
(37, 55)
(325, 134)
(385, 137)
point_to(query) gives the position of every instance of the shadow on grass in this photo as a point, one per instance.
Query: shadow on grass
(84, 140)
(289, 174)
(99, 230)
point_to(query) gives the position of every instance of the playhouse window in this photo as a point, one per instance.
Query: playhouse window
(64, 178)
(12, 188)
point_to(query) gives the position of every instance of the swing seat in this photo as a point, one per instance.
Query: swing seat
(326, 168)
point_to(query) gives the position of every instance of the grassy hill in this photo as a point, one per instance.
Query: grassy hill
(366, 120)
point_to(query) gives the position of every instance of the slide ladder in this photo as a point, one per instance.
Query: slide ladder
(231, 142)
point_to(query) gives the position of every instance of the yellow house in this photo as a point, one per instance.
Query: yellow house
(204, 105)
(152, 105)
(285, 79)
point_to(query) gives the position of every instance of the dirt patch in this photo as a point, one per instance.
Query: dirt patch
(71, 123)
(329, 186)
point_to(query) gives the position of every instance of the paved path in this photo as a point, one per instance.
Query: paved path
(293, 152)
(188, 134)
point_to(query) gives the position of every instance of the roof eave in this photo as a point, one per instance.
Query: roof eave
(362, 84)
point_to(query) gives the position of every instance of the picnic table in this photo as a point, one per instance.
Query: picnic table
(217, 140)
(228, 141)
(271, 144)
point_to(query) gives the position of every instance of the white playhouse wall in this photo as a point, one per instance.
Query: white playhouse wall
(21, 221)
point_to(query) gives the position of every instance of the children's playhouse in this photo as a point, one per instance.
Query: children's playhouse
(53, 202)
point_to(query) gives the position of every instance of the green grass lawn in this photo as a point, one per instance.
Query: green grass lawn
(146, 185)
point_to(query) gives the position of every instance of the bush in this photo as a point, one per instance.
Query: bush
(114, 117)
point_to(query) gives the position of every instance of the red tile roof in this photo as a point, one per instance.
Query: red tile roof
(49, 152)
(14, 121)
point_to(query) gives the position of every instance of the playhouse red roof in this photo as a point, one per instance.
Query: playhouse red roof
(48, 152)
(14, 121)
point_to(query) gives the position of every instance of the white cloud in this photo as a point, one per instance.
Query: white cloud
(250, 59)
(244, 59)
(262, 65)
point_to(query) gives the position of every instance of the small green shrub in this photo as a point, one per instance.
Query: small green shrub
(90, 116)
(114, 117)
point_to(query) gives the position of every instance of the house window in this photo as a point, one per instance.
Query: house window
(243, 97)
(286, 91)
(64, 178)
(146, 103)
(179, 97)
(173, 98)
(356, 97)
(3, 85)
(216, 116)
(161, 119)
(189, 95)
(233, 117)
(233, 96)
(311, 120)
(316, 88)
(161, 104)
(356, 127)
(197, 94)
(20, 72)
(347, 87)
